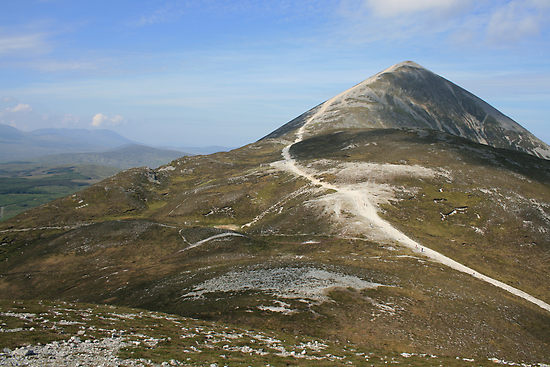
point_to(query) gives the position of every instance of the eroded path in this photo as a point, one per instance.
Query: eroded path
(203, 241)
(366, 212)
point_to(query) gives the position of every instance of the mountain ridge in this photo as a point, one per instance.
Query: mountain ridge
(21, 145)
(406, 95)
(123, 157)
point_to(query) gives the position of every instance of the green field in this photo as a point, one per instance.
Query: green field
(27, 185)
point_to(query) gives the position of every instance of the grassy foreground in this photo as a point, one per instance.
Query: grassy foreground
(152, 338)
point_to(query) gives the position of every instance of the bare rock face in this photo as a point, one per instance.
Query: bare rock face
(407, 95)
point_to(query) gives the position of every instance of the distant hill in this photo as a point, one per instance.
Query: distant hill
(8, 133)
(20, 145)
(128, 156)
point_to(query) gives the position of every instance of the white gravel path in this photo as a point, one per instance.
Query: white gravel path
(203, 241)
(365, 211)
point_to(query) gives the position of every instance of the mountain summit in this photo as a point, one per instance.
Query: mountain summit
(407, 95)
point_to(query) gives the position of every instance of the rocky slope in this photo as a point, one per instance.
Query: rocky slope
(407, 95)
(69, 334)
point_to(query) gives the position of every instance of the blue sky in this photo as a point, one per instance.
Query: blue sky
(207, 72)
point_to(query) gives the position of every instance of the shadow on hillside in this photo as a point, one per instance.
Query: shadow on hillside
(425, 147)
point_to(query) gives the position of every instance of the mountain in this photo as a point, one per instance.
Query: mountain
(407, 95)
(102, 137)
(128, 156)
(391, 242)
(19, 145)
(8, 134)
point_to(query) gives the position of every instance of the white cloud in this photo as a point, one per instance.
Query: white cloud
(21, 107)
(391, 8)
(101, 119)
(117, 119)
(463, 22)
(516, 20)
(376, 20)
(25, 42)
(18, 114)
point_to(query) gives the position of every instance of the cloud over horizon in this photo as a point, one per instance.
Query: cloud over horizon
(101, 119)
(21, 107)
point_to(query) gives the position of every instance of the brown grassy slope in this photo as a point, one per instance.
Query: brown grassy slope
(125, 246)
(502, 225)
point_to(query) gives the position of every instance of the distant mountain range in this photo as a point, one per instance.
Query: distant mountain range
(101, 146)
(20, 145)
(39, 166)
(127, 156)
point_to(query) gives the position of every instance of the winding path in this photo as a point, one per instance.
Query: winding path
(367, 213)
(44, 228)
(203, 241)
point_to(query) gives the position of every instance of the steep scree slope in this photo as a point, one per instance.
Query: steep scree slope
(408, 95)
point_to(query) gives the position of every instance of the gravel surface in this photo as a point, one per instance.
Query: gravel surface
(72, 353)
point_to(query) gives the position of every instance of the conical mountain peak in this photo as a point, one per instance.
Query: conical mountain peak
(407, 95)
(403, 64)
(402, 67)
(409, 63)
